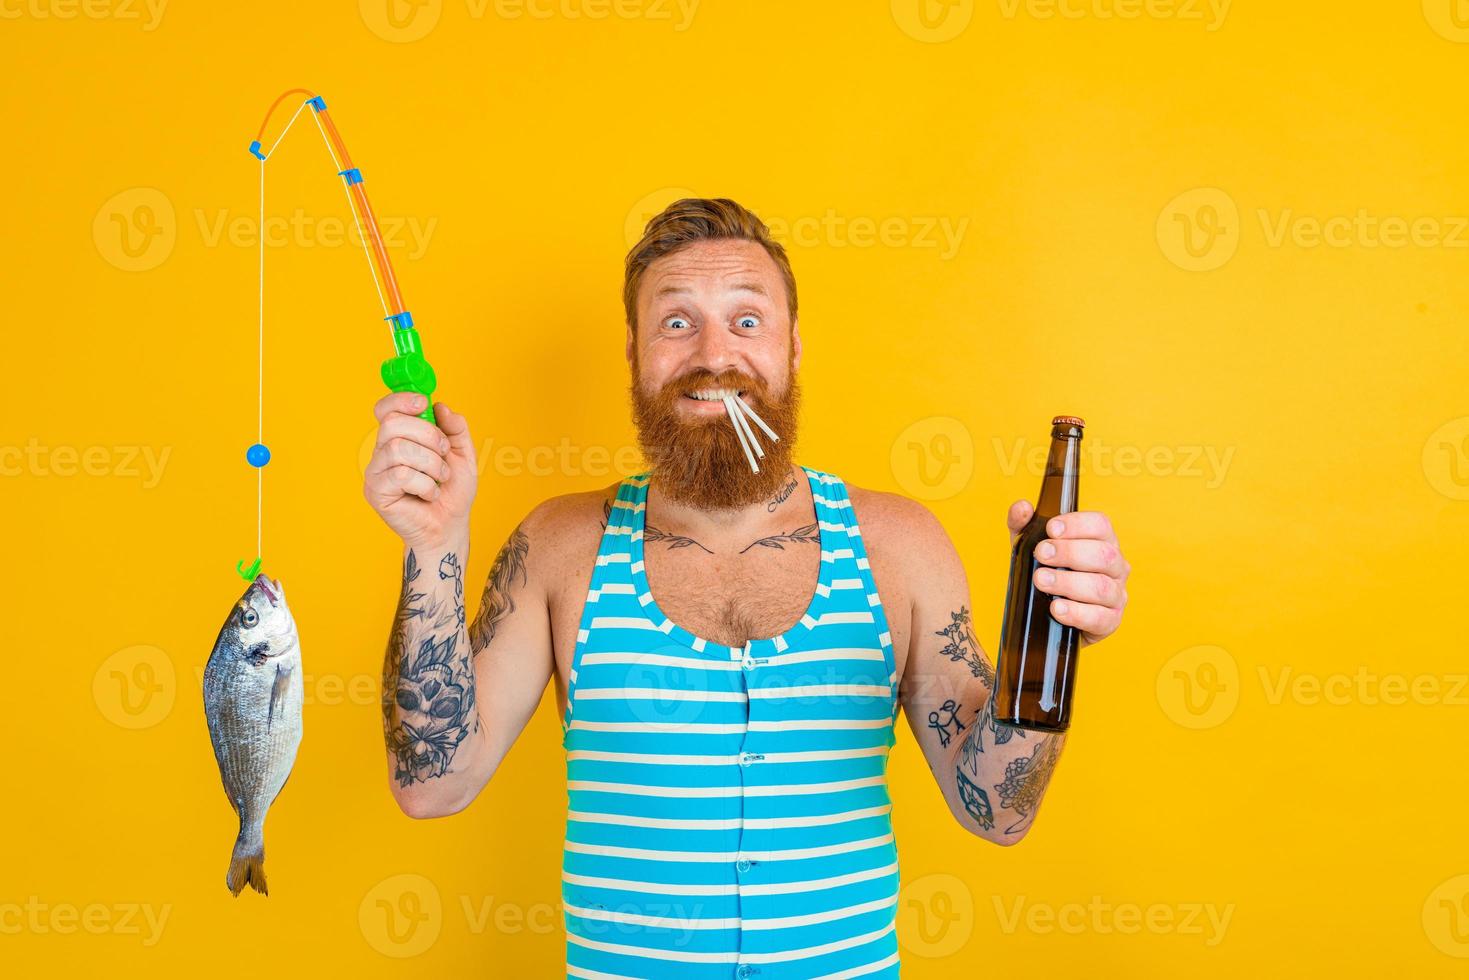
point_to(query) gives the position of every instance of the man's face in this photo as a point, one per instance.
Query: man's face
(712, 316)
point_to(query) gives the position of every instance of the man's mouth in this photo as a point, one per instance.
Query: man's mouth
(714, 394)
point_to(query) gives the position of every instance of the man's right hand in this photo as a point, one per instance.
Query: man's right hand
(422, 478)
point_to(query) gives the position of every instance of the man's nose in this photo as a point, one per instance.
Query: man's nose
(716, 351)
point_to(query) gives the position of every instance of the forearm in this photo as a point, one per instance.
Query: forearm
(431, 723)
(999, 773)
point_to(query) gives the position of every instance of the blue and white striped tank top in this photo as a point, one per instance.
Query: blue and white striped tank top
(728, 810)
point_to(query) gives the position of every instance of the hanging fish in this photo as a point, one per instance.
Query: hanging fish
(252, 701)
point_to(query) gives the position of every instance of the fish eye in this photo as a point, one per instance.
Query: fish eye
(249, 617)
(749, 321)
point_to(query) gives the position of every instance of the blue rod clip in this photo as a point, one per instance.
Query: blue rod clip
(400, 321)
(317, 103)
(255, 149)
(354, 176)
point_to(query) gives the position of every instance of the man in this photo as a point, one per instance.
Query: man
(727, 726)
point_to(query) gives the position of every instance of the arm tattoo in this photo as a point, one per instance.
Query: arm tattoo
(801, 535)
(1026, 780)
(497, 603)
(976, 803)
(431, 705)
(962, 647)
(1025, 777)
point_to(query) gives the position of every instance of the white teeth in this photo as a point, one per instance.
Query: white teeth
(714, 394)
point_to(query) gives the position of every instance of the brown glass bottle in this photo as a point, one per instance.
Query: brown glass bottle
(1037, 663)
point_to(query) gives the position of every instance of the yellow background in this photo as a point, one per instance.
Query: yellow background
(1135, 194)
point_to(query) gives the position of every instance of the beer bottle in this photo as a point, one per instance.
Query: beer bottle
(1036, 672)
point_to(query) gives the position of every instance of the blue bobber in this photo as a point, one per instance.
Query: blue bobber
(257, 455)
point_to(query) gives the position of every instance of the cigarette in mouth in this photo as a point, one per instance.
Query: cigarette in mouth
(738, 411)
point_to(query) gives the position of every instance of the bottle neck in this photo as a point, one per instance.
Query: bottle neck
(1063, 464)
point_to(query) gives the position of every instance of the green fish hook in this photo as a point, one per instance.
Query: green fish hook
(248, 574)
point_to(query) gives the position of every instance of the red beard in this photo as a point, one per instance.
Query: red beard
(697, 460)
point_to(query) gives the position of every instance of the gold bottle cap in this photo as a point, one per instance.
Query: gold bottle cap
(1068, 420)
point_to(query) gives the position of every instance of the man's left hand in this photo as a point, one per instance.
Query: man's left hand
(1087, 573)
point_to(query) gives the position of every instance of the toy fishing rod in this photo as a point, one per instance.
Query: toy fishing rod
(407, 370)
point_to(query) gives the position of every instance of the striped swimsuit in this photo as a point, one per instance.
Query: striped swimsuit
(728, 811)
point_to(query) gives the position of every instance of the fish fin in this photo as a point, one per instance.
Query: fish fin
(278, 691)
(247, 867)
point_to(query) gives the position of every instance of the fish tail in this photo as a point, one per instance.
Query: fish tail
(247, 863)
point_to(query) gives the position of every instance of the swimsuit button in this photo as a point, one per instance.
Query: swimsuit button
(744, 758)
(745, 970)
(743, 865)
(747, 664)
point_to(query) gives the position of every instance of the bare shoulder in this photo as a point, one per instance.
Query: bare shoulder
(561, 531)
(893, 522)
(906, 543)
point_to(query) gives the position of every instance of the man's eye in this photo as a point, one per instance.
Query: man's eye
(748, 321)
(676, 323)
